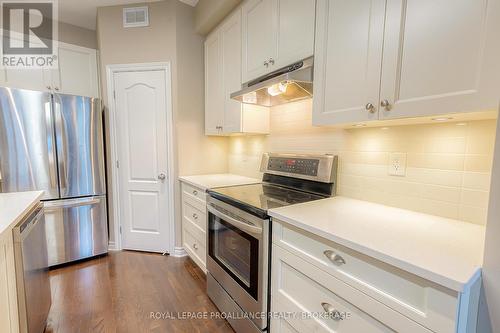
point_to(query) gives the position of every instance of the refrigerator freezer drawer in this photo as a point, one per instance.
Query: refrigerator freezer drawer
(76, 229)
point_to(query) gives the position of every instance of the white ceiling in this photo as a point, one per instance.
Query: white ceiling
(83, 13)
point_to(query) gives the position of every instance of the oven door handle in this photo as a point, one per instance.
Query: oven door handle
(253, 230)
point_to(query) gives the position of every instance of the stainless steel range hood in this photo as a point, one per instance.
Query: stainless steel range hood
(289, 84)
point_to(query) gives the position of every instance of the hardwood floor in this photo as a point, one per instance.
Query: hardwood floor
(119, 292)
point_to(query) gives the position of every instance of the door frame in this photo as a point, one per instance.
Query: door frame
(140, 67)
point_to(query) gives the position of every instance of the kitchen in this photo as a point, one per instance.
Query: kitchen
(335, 161)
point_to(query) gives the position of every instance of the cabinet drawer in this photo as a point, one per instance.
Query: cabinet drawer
(195, 215)
(195, 231)
(425, 302)
(307, 292)
(194, 248)
(194, 192)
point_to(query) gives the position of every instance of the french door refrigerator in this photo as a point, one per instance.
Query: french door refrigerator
(54, 143)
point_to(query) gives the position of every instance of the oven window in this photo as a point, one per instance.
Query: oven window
(236, 252)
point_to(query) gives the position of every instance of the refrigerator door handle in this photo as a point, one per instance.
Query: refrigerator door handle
(51, 146)
(55, 205)
(62, 144)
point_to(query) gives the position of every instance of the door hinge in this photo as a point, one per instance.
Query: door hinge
(117, 164)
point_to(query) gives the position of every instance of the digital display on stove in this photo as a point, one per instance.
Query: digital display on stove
(302, 166)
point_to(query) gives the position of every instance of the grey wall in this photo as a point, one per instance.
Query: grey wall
(170, 37)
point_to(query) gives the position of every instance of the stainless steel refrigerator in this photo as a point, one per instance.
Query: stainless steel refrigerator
(54, 143)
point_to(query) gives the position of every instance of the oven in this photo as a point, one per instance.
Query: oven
(238, 257)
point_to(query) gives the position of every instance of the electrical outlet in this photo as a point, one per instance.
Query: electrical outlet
(397, 164)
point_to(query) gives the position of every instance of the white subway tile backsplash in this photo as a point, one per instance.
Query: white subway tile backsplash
(448, 166)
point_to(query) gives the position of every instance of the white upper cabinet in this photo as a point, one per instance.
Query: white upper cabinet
(259, 38)
(230, 38)
(214, 104)
(275, 33)
(295, 28)
(77, 73)
(223, 115)
(31, 79)
(347, 60)
(405, 58)
(434, 58)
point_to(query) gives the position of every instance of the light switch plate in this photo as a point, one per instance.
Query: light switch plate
(397, 164)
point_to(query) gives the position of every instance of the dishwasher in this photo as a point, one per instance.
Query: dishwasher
(32, 272)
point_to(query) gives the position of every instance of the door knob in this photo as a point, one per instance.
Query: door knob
(162, 176)
(370, 107)
(386, 105)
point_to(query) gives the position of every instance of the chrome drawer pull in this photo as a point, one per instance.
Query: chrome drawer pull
(334, 257)
(195, 216)
(332, 312)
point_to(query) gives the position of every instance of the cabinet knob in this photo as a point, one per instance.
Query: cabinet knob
(162, 176)
(56, 88)
(271, 61)
(195, 192)
(195, 216)
(386, 105)
(266, 63)
(370, 107)
(334, 257)
(195, 246)
(49, 88)
(334, 313)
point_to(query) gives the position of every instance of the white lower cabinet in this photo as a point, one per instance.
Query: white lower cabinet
(194, 223)
(9, 314)
(321, 286)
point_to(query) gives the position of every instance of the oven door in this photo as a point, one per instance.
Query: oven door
(238, 250)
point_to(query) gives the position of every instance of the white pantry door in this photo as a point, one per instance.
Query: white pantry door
(141, 121)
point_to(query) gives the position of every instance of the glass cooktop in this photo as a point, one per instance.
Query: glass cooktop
(258, 198)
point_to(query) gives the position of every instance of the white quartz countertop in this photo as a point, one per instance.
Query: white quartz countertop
(14, 206)
(206, 182)
(447, 252)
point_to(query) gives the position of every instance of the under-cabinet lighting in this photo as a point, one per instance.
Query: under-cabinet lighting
(442, 118)
(277, 89)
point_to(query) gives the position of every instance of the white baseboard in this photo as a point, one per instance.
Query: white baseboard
(112, 246)
(179, 252)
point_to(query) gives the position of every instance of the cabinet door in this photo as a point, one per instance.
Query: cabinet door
(31, 79)
(77, 72)
(348, 55)
(434, 57)
(230, 37)
(258, 37)
(214, 104)
(295, 24)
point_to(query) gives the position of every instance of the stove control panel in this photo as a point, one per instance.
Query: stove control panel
(301, 166)
(315, 167)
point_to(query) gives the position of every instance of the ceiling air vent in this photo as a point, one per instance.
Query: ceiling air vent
(135, 17)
